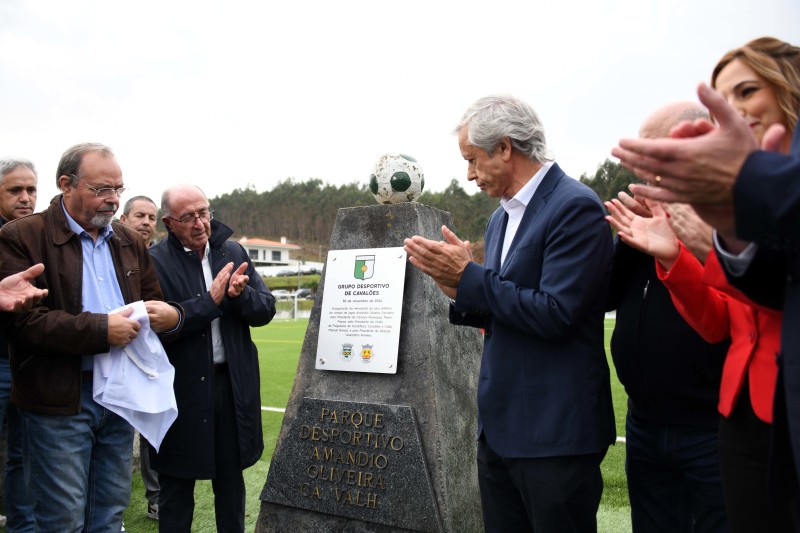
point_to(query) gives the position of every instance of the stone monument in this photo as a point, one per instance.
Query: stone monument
(382, 452)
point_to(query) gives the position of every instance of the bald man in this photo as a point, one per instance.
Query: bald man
(671, 376)
(218, 430)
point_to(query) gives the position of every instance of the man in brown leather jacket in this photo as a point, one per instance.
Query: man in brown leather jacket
(78, 452)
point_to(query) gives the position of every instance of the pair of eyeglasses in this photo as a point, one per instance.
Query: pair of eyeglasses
(106, 192)
(204, 215)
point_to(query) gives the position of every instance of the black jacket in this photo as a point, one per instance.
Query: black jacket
(767, 205)
(670, 373)
(188, 448)
(6, 320)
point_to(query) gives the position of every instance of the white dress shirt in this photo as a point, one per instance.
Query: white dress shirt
(216, 333)
(515, 207)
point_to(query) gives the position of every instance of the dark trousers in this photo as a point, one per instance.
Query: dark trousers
(744, 445)
(673, 476)
(149, 476)
(176, 498)
(784, 485)
(542, 495)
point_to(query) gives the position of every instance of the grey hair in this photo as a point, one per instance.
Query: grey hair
(9, 164)
(71, 160)
(129, 204)
(166, 211)
(492, 118)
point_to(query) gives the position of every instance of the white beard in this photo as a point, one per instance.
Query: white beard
(101, 221)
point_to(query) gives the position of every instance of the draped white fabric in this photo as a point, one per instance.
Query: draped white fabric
(135, 382)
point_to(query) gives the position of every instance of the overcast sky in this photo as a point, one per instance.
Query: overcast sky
(237, 93)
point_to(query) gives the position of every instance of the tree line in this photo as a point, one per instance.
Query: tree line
(305, 211)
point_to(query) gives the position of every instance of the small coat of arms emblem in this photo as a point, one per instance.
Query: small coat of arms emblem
(347, 351)
(366, 353)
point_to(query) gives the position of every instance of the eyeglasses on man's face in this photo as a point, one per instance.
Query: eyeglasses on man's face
(204, 215)
(105, 192)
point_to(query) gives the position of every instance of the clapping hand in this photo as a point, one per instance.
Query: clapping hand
(653, 235)
(635, 204)
(691, 230)
(444, 261)
(238, 281)
(218, 286)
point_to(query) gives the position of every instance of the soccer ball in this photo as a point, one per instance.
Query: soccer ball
(396, 178)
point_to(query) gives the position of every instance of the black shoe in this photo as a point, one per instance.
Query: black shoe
(152, 511)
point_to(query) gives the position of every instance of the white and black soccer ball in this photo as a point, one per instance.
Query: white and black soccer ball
(396, 178)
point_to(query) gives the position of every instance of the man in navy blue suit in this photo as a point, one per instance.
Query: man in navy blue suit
(752, 198)
(545, 418)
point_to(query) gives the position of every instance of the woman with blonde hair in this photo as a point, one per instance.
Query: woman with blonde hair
(776, 65)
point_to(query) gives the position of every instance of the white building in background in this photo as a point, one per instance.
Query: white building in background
(271, 258)
(264, 253)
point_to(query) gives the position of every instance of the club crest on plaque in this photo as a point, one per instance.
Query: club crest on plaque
(347, 351)
(365, 266)
(366, 353)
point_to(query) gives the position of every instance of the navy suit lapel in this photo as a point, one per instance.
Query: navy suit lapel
(493, 239)
(534, 207)
(498, 253)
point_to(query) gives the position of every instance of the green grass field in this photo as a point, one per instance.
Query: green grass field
(279, 346)
(614, 515)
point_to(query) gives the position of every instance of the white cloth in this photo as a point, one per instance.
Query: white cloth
(135, 382)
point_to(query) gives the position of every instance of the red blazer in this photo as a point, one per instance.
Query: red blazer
(716, 310)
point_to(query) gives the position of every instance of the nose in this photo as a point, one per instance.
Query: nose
(737, 104)
(24, 198)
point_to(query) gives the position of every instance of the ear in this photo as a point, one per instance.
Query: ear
(504, 146)
(64, 183)
(167, 223)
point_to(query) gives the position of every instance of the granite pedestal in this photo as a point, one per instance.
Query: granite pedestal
(382, 452)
